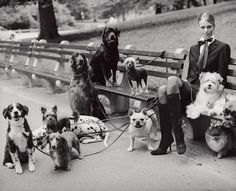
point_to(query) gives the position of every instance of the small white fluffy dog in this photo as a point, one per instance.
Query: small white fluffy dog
(142, 124)
(210, 92)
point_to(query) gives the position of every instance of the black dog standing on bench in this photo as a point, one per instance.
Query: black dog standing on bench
(104, 61)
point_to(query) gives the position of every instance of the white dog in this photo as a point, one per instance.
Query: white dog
(142, 124)
(210, 92)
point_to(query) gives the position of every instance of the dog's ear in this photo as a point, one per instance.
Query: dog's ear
(43, 110)
(84, 58)
(54, 109)
(137, 60)
(144, 111)
(226, 99)
(5, 113)
(117, 31)
(73, 61)
(122, 60)
(201, 76)
(220, 78)
(104, 32)
(130, 112)
(25, 109)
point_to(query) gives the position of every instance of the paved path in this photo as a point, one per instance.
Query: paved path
(115, 169)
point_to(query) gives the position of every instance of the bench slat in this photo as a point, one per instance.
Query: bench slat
(232, 61)
(231, 86)
(122, 92)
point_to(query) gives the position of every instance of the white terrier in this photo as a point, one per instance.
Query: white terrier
(209, 93)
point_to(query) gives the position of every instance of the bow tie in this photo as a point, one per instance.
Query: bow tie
(201, 42)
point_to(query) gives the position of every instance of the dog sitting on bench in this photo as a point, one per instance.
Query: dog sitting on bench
(104, 61)
(137, 75)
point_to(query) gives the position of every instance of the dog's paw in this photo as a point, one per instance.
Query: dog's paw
(150, 148)
(132, 93)
(212, 113)
(108, 83)
(18, 169)
(219, 156)
(115, 84)
(194, 115)
(130, 149)
(9, 165)
(146, 91)
(32, 167)
(141, 91)
(192, 112)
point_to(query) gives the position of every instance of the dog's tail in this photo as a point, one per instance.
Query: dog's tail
(107, 135)
(101, 112)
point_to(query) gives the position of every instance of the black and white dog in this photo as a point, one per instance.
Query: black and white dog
(104, 61)
(19, 144)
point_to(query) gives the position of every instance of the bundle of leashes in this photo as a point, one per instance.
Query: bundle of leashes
(152, 103)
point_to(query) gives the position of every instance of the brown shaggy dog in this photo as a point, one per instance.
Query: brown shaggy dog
(63, 148)
(83, 96)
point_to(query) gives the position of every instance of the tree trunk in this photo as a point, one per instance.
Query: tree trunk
(48, 26)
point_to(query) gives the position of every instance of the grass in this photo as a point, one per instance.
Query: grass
(177, 29)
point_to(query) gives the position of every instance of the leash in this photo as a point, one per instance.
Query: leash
(112, 142)
(41, 151)
(161, 56)
(153, 103)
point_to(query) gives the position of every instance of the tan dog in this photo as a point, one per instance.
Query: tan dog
(141, 125)
(220, 139)
(63, 148)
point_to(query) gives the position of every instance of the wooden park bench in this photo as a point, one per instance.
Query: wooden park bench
(49, 61)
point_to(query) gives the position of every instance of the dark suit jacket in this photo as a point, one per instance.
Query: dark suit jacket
(218, 61)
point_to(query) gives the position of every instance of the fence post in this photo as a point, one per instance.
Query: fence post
(12, 73)
(60, 66)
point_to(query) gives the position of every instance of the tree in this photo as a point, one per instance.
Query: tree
(48, 26)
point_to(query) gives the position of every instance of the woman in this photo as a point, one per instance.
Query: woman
(209, 55)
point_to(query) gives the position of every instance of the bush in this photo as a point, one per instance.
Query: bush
(26, 17)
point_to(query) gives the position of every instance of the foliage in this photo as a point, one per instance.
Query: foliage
(77, 8)
(25, 17)
(116, 8)
(63, 15)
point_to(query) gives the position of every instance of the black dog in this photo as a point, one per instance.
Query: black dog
(83, 96)
(106, 58)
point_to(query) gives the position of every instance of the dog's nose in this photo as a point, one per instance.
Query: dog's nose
(53, 146)
(112, 36)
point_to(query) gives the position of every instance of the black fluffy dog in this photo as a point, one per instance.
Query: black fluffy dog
(83, 96)
(104, 61)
